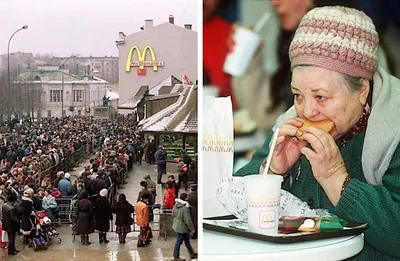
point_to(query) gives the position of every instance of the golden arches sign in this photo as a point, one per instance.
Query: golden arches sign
(140, 62)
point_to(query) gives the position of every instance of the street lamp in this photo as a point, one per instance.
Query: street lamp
(8, 67)
(62, 85)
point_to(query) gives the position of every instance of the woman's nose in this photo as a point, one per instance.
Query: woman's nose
(310, 109)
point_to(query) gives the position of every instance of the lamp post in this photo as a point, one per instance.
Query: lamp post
(62, 85)
(8, 68)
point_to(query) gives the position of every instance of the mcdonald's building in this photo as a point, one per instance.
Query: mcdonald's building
(151, 55)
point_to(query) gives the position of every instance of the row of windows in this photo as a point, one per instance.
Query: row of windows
(57, 96)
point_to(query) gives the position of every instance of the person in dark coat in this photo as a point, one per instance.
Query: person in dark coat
(26, 208)
(97, 185)
(84, 218)
(161, 162)
(103, 215)
(192, 199)
(124, 211)
(10, 223)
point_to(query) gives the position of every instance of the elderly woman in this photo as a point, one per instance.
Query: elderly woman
(103, 215)
(84, 218)
(353, 171)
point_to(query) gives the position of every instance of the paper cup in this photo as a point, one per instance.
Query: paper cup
(246, 44)
(263, 201)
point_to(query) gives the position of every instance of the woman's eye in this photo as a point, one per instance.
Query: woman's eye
(297, 97)
(320, 98)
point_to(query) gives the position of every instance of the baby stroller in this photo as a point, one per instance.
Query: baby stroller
(38, 239)
(48, 228)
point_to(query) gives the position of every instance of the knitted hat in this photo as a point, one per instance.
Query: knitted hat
(336, 38)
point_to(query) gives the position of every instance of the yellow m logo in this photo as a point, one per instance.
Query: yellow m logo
(141, 56)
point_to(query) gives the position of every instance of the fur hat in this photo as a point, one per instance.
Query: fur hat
(28, 192)
(336, 38)
(103, 193)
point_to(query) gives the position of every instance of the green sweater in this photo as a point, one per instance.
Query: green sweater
(379, 206)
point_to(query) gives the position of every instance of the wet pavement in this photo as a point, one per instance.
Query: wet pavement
(158, 250)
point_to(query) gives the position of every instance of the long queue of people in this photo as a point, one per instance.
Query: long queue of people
(27, 154)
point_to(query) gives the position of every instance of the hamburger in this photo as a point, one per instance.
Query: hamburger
(326, 125)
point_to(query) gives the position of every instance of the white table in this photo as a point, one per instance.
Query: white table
(221, 247)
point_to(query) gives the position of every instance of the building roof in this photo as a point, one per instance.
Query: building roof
(133, 102)
(169, 81)
(112, 95)
(179, 117)
(53, 74)
(163, 96)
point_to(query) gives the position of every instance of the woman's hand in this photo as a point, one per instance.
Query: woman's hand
(287, 149)
(326, 161)
(324, 155)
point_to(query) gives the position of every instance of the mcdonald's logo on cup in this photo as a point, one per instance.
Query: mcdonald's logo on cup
(267, 219)
(141, 62)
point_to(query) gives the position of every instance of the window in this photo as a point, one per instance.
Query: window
(78, 95)
(48, 113)
(56, 96)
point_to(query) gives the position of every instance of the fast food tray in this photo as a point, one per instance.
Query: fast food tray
(215, 224)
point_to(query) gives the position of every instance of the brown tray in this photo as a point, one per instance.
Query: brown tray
(351, 229)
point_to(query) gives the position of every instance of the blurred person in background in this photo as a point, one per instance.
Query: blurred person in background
(216, 31)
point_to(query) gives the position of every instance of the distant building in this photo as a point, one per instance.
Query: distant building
(148, 57)
(105, 67)
(60, 90)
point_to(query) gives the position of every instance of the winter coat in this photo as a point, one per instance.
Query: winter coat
(26, 208)
(169, 198)
(182, 222)
(98, 184)
(49, 202)
(124, 211)
(84, 217)
(161, 160)
(151, 199)
(152, 188)
(103, 214)
(10, 218)
(142, 214)
(64, 186)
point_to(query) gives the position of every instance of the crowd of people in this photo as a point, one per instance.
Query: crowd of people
(34, 165)
(35, 162)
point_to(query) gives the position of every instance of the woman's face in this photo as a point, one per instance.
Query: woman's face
(290, 12)
(321, 94)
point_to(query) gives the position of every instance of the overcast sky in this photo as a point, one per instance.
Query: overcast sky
(85, 27)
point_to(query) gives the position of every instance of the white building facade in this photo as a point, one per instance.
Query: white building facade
(62, 93)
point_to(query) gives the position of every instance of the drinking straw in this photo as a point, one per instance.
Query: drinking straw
(260, 24)
(271, 151)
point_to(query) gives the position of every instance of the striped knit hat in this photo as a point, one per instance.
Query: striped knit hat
(337, 38)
